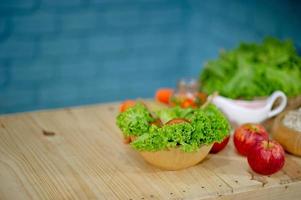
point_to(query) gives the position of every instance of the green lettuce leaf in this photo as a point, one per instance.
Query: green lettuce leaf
(254, 70)
(175, 112)
(205, 126)
(135, 121)
(168, 136)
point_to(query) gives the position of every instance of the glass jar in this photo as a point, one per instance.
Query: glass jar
(187, 94)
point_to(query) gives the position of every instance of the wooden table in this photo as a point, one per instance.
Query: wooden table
(78, 154)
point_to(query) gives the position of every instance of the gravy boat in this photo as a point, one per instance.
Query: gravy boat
(256, 111)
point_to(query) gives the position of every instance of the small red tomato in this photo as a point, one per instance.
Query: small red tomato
(247, 135)
(126, 140)
(177, 121)
(266, 157)
(163, 95)
(217, 147)
(129, 139)
(188, 103)
(126, 104)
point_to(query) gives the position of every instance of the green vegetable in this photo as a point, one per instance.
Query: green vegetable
(253, 70)
(168, 136)
(135, 120)
(206, 126)
(219, 124)
(175, 112)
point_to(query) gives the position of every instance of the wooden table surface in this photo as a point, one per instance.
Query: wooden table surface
(78, 154)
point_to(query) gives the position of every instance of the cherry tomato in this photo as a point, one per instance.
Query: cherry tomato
(176, 121)
(188, 103)
(163, 95)
(126, 104)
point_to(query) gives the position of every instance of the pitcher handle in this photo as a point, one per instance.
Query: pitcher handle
(271, 100)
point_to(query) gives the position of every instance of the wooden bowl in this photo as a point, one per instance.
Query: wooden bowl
(175, 158)
(290, 139)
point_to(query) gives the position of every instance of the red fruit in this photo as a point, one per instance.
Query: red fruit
(126, 104)
(177, 121)
(188, 103)
(217, 147)
(266, 157)
(247, 135)
(163, 95)
(128, 139)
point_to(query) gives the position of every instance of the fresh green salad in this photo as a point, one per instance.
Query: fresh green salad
(198, 127)
(135, 121)
(254, 70)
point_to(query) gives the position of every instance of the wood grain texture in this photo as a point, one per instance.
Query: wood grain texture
(78, 154)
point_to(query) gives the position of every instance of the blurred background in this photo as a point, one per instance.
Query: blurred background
(58, 53)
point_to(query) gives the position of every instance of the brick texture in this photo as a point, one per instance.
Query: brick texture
(57, 53)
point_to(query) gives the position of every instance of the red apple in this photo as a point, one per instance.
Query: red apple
(217, 147)
(247, 135)
(266, 157)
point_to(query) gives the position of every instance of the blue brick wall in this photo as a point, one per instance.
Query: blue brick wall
(56, 53)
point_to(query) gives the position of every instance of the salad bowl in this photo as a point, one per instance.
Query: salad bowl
(173, 138)
(175, 158)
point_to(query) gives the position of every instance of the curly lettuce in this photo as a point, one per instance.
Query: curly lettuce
(203, 126)
(210, 125)
(254, 70)
(168, 136)
(135, 121)
(175, 112)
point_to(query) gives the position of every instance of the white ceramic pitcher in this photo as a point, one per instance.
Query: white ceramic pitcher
(256, 111)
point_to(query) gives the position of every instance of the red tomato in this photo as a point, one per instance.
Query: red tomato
(163, 95)
(188, 103)
(177, 121)
(217, 147)
(126, 104)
